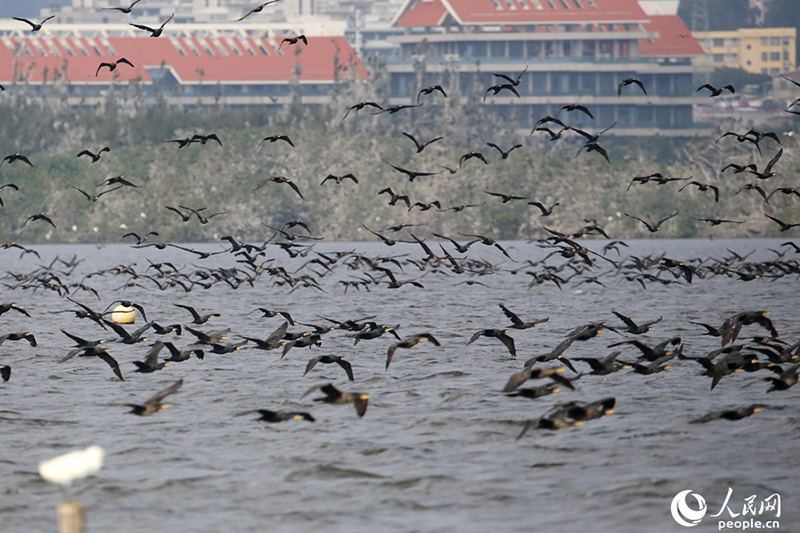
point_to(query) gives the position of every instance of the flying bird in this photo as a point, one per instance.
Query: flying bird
(10, 185)
(40, 216)
(513, 81)
(421, 146)
(361, 105)
(702, 187)
(112, 66)
(653, 227)
(714, 91)
(95, 157)
(15, 157)
(409, 342)
(293, 40)
(412, 174)
(34, 26)
(630, 81)
(126, 10)
(154, 32)
(257, 9)
(576, 107)
(281, 179)
(504, 153)
(275, 138)
(339, 179)
(153, 404)
(428, 90)
(784, 225)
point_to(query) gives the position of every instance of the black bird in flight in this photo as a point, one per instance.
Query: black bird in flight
(330, 359)
(15, 157)
(546, 212)
(590, 137)
(714, 91)
(339, 179)
(11, 185)
(95, 157)
(496, 89)
(154, 32)
(34, 26)
(275, 138)
(499, 334)
(594, 147)
(553, 135)
(576, 107)
(361, 105)
(767, 173)
(196, 317)
(654, 227)
(412, 174)
(740, 138)
(761, 135)
(118, 179)
(782, 190)
(40, 216)
(126, 10)
(203, 220)
(112, 66)
(428, 90)
(504, 153)
(281, 179)
(92, 198)
(409, 342)
(630, 81)
(486, 241)
(513, 81)
(738, 169)
(182, 143)
(293, 40)
(153, 404)
(518, 323)
(203, 139)
(703, 188)
(279, 416)
(784, 226)
(399, 107)
(421, 147)
(506, 197)
(4, 308)
(140, 240)
(470, 155)
(753, 187)
(718, 221)
(184, 217)
(336, 397)
(257, 9)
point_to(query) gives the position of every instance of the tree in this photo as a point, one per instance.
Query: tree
(722, 14)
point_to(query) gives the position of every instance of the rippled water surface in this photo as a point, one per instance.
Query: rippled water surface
(437, 449)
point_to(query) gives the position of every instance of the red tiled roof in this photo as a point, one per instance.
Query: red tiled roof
(424, 13)
(265, 65)
(674, 38)
(429, 13)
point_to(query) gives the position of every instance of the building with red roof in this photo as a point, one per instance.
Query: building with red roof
(190, 63)
(575, 51)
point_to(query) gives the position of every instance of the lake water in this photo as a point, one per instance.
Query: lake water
(437, 449)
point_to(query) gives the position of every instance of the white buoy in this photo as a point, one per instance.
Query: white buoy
(64, 469)
(123, 315)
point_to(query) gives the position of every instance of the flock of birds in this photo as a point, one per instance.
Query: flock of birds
(766, 354)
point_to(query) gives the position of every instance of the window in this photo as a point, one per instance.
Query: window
(774, 41)
(749, 62)
(785, 41)
(498, 49)
(764, 71)
(786, 56)
(774, 71)
(774, 56)
(564, 3)
(763, 56)
(719, 58)
(577, 4)
(749, 47)
(719, 42)
(764, 41)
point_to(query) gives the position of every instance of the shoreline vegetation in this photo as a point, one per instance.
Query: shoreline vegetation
(224, 178)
